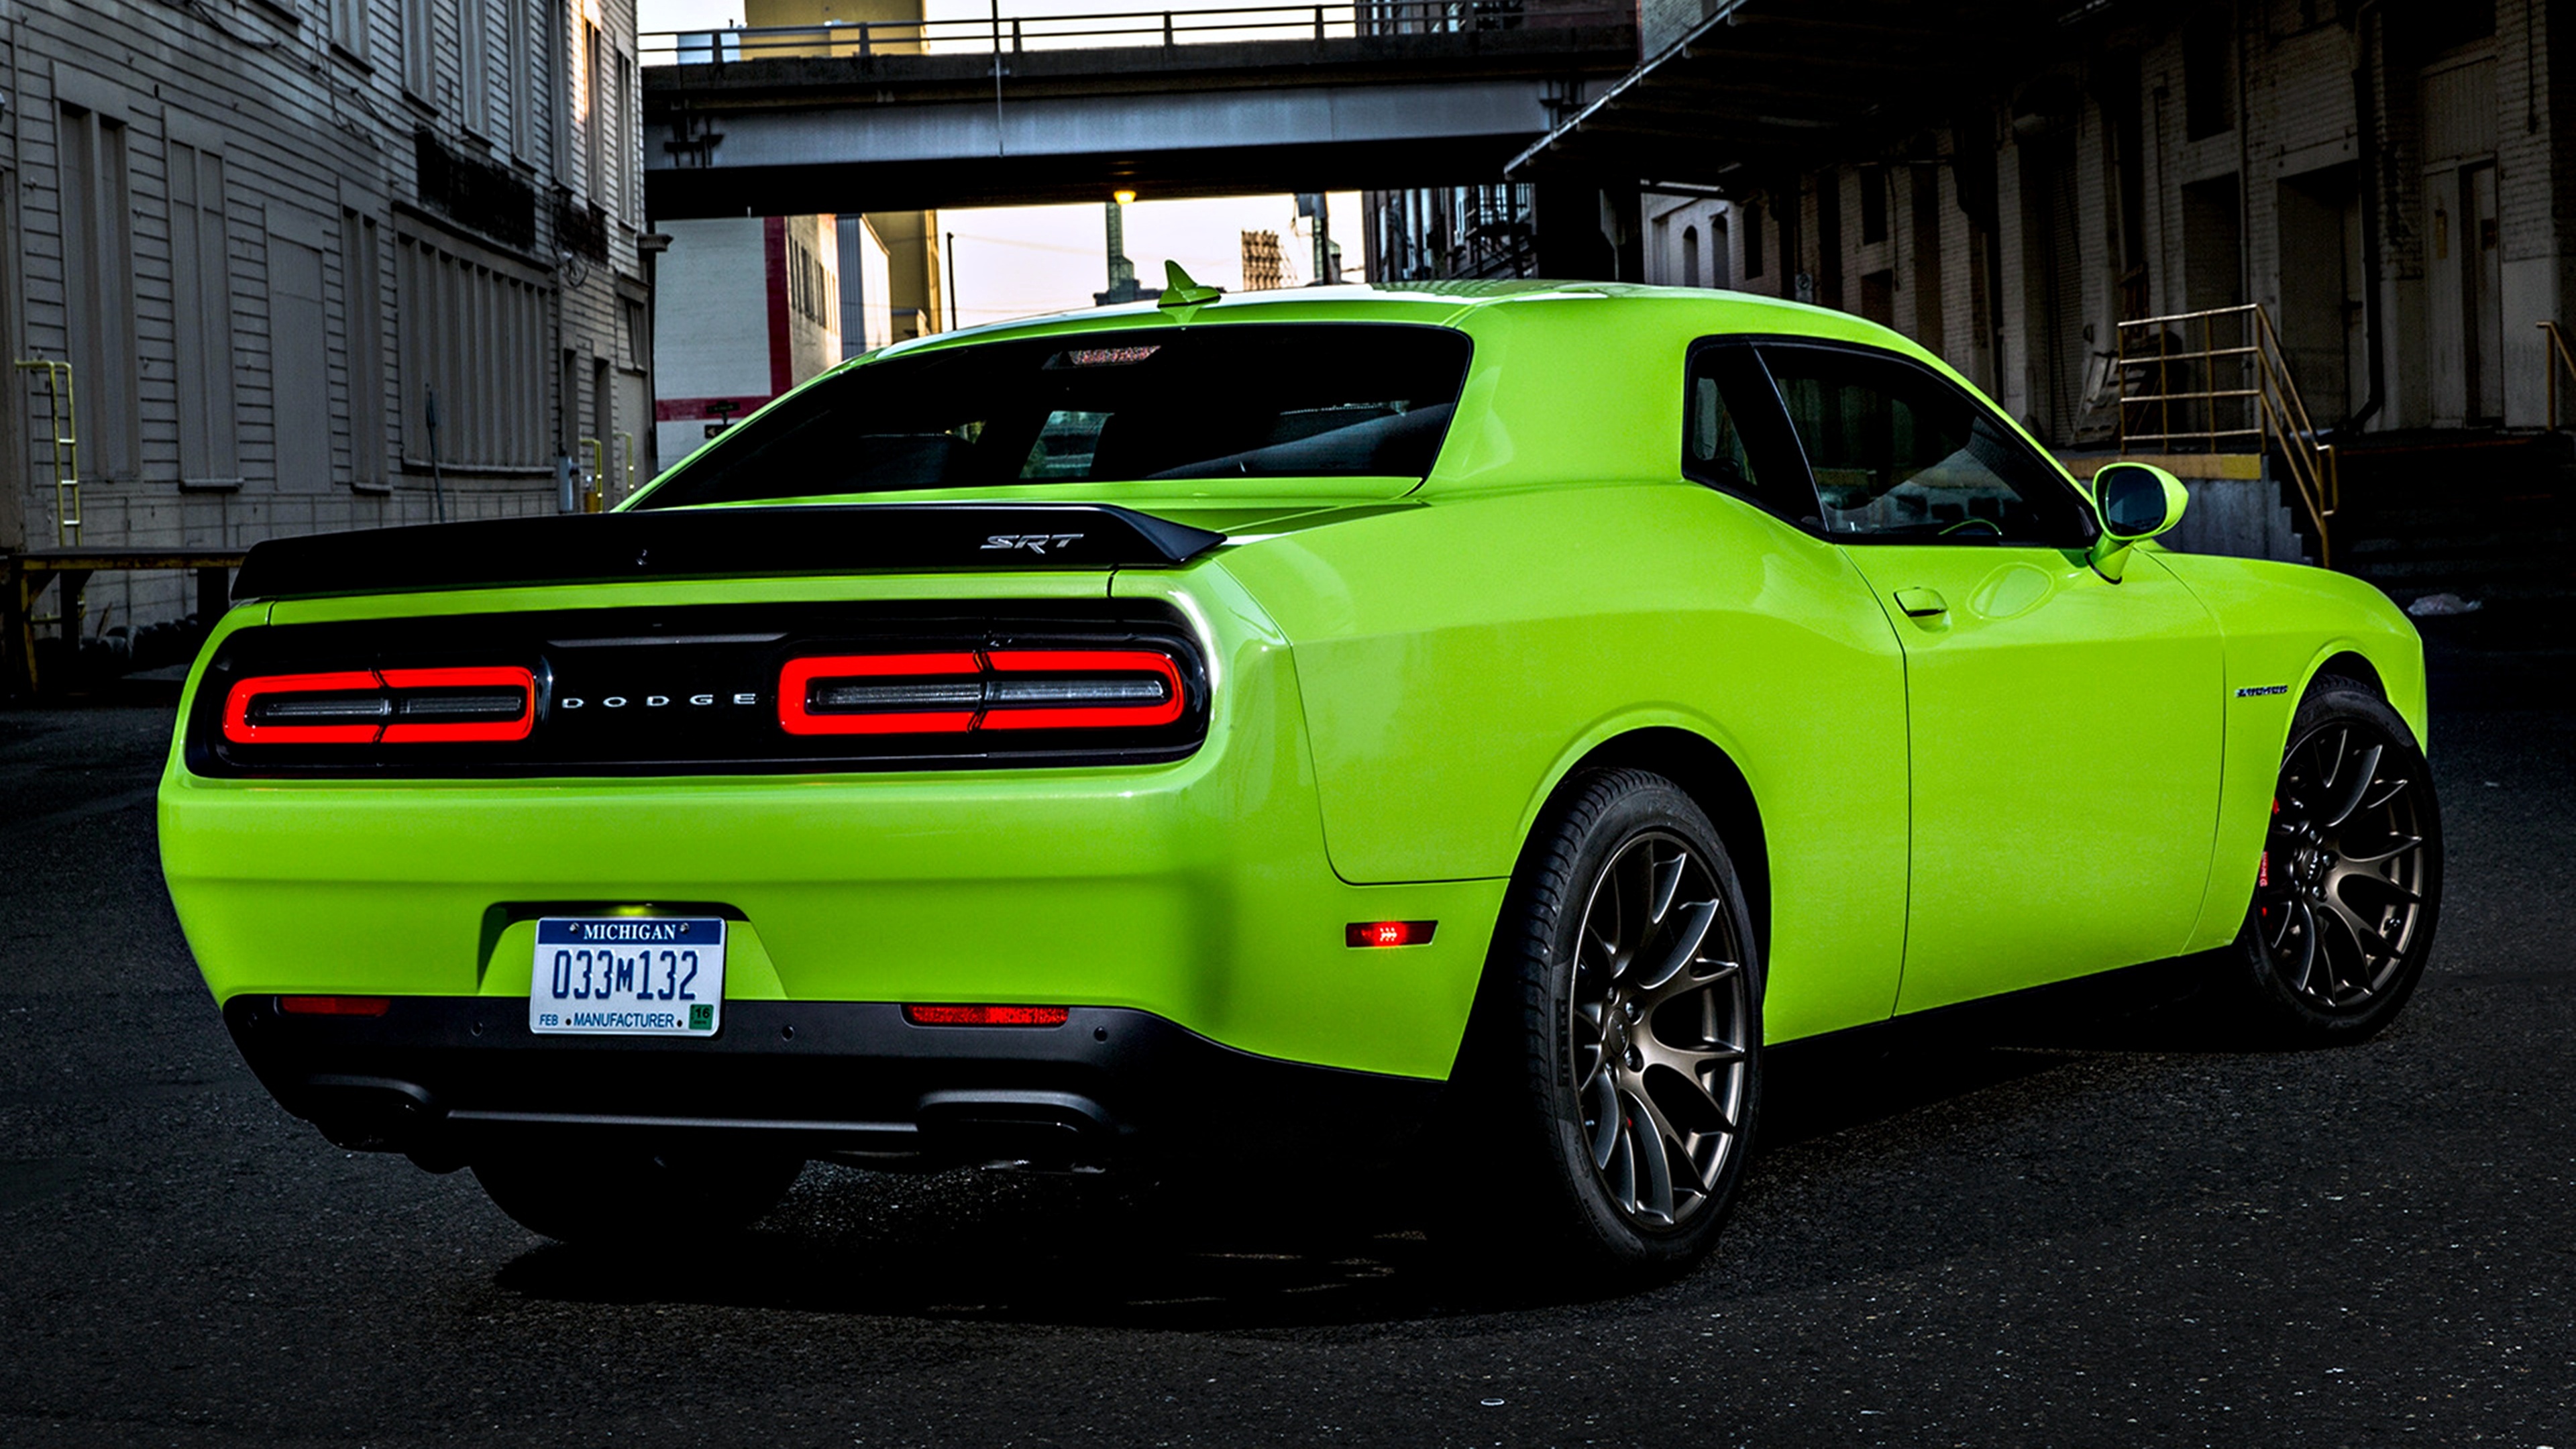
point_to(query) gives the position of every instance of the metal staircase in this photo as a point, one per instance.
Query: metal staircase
(2216, 385)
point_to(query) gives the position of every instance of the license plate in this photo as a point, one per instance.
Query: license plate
(628, 975)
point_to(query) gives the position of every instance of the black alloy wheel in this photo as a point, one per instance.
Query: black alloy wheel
(1655, 1031)
(2348, 887)
(1615, 1063)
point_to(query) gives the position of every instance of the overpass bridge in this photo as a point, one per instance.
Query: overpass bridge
(912, 115)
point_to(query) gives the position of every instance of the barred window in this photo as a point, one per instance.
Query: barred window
(474, 349)
(98, 288)
(202, 316)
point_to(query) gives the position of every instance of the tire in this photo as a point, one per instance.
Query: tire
(1613, 1073)
(2349, 887)
(617, 1197)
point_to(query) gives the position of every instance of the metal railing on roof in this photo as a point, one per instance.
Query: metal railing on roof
(985, 35)
(2218, 381)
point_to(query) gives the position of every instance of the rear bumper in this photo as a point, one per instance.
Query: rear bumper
(446, 1078)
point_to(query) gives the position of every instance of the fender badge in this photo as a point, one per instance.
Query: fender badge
(2252, 690)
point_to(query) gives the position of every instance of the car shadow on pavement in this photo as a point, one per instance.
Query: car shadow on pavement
(1029, 1247)
(1306, 1244)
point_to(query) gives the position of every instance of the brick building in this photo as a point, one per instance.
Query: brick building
(750, 307)
(267, 234)
(2393, 181)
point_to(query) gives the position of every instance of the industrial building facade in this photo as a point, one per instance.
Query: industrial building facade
(314, 265)
(2393, 181)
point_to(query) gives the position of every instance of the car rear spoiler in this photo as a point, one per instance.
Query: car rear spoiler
(716, 543)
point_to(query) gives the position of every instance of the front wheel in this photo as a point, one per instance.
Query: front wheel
(2349, 884)
(1617, 1060)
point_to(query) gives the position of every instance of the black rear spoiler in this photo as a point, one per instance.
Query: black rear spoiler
(717, 543)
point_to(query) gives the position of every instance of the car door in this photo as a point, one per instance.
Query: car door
(1798, 665)
(2063, 730)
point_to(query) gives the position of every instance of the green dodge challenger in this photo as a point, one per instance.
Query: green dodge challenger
(1502, 709)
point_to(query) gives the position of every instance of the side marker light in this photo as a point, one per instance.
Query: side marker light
(1391, 933)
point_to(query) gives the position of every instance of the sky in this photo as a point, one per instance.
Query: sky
(1018, 260)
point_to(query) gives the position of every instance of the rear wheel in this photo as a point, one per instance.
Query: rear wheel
(625, 1196)
(2350, 881)
(1617, 1066)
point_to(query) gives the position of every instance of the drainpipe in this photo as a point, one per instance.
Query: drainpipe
(2374, 319)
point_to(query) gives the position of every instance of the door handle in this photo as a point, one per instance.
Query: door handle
(1921, 603)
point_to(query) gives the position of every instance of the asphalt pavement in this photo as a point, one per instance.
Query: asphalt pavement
(2089, 1223)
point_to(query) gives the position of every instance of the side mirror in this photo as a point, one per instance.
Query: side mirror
(2136, 501)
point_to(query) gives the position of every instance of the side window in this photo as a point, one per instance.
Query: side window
(1733, 438)
(1897, 453)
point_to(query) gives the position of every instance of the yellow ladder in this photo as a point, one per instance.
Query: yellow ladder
(63, 422)
(593, 493)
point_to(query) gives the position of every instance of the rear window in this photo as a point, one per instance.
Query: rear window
(1268, 400)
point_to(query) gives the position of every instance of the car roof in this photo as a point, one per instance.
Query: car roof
(1450, 302)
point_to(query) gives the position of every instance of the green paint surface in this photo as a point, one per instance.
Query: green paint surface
(2052, 776)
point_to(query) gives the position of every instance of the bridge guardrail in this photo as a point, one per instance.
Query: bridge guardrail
(1015, 34)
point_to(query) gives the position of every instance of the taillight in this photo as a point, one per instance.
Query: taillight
(392, 706)
(993, 689)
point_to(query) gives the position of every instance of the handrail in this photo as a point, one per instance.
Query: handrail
(2561, 356)
(990, 34)
(62, 426)
(2245, 393)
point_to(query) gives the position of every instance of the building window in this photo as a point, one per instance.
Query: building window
(362, 324)
(608, 181)
(474, 65)
(98, 288)
(519, 54)
(1752, 240)
(349, 26)
(1690, 256)
(416, 33)
(474, 340)
(2208, 107)
(201, 296)
(630, 146)
(587, 103)
(812, 290)
(1873, 204)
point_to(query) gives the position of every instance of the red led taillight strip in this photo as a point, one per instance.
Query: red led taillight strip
(510, 677)
(1085, 662)
(796, 684)
(996, 689)
(379, 703)
(239, 729)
